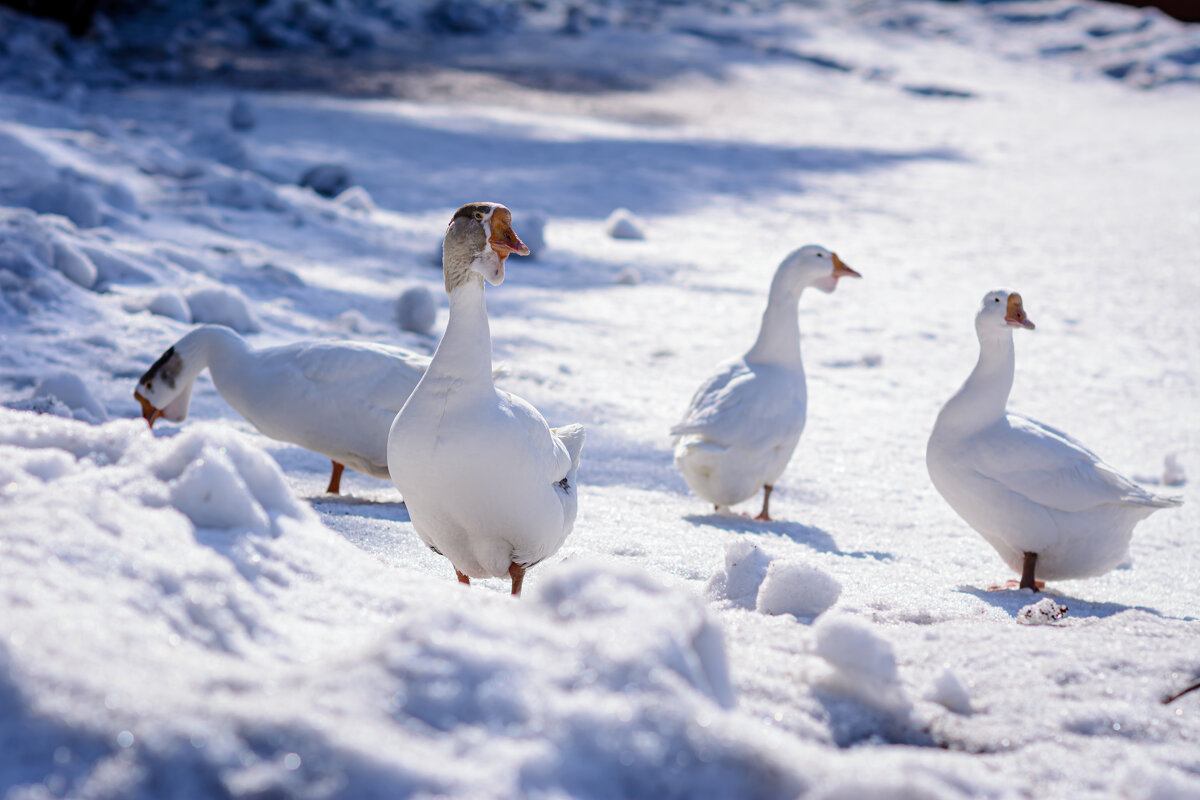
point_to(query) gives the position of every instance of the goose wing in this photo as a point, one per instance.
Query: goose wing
(744, 405)
(1050, 468)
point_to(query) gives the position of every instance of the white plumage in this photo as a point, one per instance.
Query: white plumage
(1046, 503)
(488, 484)
(334, 398)
(744, 422)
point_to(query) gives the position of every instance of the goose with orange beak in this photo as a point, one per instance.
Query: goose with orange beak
(334, 398)
(743, 424)
(1048, 505)
(488, 483)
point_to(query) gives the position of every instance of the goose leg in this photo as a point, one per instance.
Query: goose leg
(763, 515)
(462, 578)
(335, 480)
(517, 573)
(1027, 581)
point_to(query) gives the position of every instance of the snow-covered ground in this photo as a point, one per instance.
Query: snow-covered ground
(185, 613)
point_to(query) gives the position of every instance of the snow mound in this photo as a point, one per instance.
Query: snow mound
(327, 180)
(356, 198)
(622, 224)
(69, 389)
(164, 302)
(220, 145)
(1043, 612)
(243, 191)
(801, 590)
(1173, 472)
(74, 264)
(738, 579)
(628, 276)
(531, 227)
(67, 197)
(242, 116)
(863, 662)
(222, 305)
(416, 309)
(950, 693)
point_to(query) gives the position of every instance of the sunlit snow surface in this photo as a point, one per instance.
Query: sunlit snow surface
(184, 613)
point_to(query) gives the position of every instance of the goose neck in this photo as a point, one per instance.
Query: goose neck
(779, 335)
(466, 346)
(984, 396)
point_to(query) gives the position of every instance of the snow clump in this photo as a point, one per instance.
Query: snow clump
(738, 580)
(78, 268)
(69, 389)
(416, 309)
(1042, 612)
(622, 224)
(863, 662)
(67, 197)
(222, 305)
(531, 227)
(242, 116)
(327, 180)
(798, 589)
(948, 691)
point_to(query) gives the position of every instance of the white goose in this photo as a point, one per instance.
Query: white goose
(1045, 502)
(335, 398)
(744, 422)
(489, 485)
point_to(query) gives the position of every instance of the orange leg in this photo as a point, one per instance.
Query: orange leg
(763, 516)
(462, 578)
(1027, 579)
(335, 480)
(517, 573)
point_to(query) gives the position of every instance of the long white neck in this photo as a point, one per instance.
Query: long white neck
(465, 352)
(226, 355)
(983, 398)
(779, 336)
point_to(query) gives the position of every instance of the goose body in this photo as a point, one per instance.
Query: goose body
(488, 483)
(334, 398)
(744, 422)
(1049, 506)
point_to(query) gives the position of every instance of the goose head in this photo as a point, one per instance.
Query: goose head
(812, 265)
(479, 239)
(165, 390)
(999, 311)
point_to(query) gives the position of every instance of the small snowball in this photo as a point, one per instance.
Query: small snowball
(328, 180)
(628, 276)
(241, 115)
(1042, 612)
(416, 309)
(798, 589)
(222, 305)
(69, 389)
(1173, 472)
(622, 224)
(743, 572)
(531, 227)
(75, 265)
(212, 494)
(854, 649)
(66, 197)
(948, 691)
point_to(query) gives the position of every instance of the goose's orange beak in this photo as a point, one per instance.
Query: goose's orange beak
(149, 412)
(1015, 315)
(840, 270)
(504, 240)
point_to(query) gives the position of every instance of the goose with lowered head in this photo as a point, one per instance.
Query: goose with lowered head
(334, 398)
(1051, 508)
(489, 485)
(744, 422)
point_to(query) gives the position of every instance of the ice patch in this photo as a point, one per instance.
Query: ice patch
(1043, 612)
(798, 589)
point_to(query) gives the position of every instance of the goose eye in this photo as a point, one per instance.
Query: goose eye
(478, 215)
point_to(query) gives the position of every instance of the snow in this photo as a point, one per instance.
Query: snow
(186, 607)
(416, 309)
(622, 224)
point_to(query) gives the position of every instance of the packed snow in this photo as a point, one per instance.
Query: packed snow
(185, 612)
